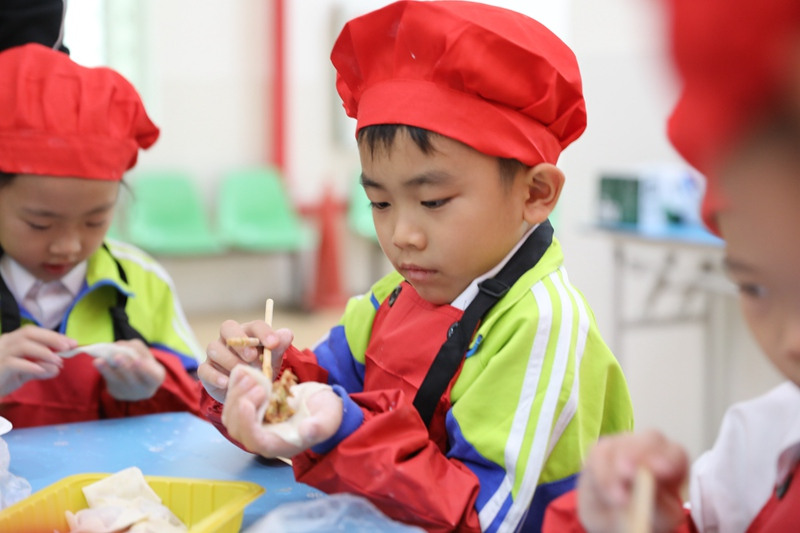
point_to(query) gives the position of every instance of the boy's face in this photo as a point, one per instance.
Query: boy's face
(442, 218)
(760, 223)
(50, 224)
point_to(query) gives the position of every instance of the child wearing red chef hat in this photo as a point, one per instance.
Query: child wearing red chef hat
(738, 121)
(467, 384)
(67, 135)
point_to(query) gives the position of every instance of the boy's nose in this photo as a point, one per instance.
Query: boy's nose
(407, 234)
(790, 336)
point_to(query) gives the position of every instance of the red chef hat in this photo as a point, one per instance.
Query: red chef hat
(732, 56)
(491, 78)
(59, 118)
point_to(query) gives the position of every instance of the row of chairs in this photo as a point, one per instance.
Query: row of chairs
(168, 216)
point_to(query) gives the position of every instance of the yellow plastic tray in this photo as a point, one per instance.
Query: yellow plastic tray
(205, 506)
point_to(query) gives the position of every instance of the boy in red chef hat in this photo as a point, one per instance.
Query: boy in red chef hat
(67, 135)
(467, 384)
(738, 122)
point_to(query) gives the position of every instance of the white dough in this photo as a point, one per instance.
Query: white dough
(121, 501)
(102, 350)
(126, 484)
(288, 429)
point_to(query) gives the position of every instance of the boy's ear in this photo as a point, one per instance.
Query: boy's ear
(543, 183)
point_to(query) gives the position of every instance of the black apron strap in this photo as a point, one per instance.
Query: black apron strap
(451, 353)
(10, 317)
(119, 317)
(9, 310)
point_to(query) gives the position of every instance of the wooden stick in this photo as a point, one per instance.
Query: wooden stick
(640, 512)
(266, 358)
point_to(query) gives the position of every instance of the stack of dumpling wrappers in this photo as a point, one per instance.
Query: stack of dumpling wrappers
(123, 502)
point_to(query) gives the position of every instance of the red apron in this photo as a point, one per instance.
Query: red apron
(393, 459)
(782, 511)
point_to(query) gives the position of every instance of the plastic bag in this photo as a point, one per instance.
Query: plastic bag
(12, 488)
(337, 512)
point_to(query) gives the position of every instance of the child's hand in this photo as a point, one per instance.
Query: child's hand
(27, 353)
(240, 418)
(606, 482)
(131, 378)
(216, 369)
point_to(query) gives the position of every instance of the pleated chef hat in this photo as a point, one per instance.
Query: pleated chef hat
(491, 78)
(59, 118)
(732, 55)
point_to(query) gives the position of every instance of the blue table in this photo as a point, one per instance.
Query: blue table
(171, 444)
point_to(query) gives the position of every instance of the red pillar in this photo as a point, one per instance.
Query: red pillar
(278, 104)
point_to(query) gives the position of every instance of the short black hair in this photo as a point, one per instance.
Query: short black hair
(6, 178)
(383, 135)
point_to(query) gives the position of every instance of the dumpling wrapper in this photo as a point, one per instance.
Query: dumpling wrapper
(139, 516)
(121, 501)
(127, 484)
(288, 429)
(5, 425)
(102, 350)
(103, 519)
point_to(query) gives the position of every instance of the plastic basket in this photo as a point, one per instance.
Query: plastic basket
(205, 506)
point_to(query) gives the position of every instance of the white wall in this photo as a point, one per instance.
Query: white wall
(203, 70)
(203, 67)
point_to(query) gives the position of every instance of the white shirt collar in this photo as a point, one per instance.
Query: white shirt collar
(465, 298)
(20, 281)
(75, 278)
(789, 450)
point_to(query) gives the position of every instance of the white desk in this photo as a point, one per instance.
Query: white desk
(670, 277)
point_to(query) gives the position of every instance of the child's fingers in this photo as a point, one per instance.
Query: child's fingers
(34, 343)
(41, 354)
(148, 372)
(665, 459)
(607, 481)
(271, 339)
(229, 356)
(240, 418)
(31, 369)
(609, 473)
(53, 340)
(130, 378)
(212, 375)
(243, 386)
(222, 357)
(278, 340)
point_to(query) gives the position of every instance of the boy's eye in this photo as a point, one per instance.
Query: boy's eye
(752, 290)
(379, 205)
(435, 203)
(96, 223)
(38, 227)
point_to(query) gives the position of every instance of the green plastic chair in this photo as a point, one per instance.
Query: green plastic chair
(255, 213)
(359, 213)
(166, 215)
(114, 230)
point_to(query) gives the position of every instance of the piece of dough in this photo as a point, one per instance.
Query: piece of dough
(123, 502)
(287, 430)
(126, 484)
(242, 342)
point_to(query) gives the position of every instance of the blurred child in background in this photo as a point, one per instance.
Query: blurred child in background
(67, 135)
(467, 384)
(737, 121)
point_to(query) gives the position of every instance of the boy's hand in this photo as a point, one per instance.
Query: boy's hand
(132, 378)
(241, 420)
(215, 371)
(606, 482)
(28, 353)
